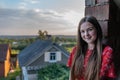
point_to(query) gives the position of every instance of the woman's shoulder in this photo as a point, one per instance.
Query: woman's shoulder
(74, 47)
(107, 47)
(73, 50)
(107, 50)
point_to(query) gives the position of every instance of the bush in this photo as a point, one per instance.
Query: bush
(54, 72)
(12, 76)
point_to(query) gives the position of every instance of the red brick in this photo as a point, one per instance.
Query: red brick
(100, 12)
(102, 1)
(104, 26)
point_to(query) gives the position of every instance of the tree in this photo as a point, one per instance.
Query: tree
(54, 72)
(42, 34)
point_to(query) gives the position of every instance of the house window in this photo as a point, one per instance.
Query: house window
(52, 56)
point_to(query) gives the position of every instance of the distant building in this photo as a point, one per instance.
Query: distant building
(40, 54)
(5, 63)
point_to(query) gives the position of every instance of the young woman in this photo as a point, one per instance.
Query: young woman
(90, 59)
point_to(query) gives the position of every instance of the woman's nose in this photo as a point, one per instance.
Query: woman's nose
(86, 33)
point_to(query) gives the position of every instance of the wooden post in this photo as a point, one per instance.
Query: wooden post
(24, 72)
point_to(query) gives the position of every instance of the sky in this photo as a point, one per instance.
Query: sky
(26, 17)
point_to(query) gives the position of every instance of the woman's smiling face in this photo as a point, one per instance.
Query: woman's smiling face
(88, 32)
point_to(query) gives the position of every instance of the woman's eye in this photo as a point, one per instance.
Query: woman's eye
(90, 29)
(82, 31)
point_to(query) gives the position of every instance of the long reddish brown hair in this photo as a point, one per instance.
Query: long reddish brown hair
(94, 62)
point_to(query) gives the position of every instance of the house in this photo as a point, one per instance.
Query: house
(40, 54)
(5, 52)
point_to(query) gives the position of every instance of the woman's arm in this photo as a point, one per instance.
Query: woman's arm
(107, 68)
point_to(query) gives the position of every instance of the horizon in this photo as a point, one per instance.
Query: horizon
(32, 36)
(37, 35)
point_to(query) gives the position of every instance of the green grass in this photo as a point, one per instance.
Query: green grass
(13, 51)
(69, 49)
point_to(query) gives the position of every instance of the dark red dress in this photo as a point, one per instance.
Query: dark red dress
(107, 67)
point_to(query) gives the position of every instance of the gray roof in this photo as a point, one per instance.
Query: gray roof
(3, 51)
(35, 50)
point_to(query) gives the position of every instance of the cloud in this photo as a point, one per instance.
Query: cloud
(28, 22)
(28, 4)
(32, 1)
(22, 5)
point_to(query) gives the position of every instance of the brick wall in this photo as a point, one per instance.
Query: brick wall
(99, 9)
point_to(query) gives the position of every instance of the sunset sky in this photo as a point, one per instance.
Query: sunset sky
(26, 17)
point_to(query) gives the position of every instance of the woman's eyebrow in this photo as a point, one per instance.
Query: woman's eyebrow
(91, 27)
